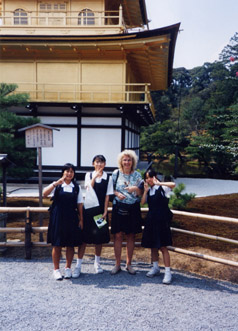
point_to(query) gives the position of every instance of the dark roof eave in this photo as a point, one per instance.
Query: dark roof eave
(172, 29)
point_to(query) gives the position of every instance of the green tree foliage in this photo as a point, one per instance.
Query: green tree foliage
(196, 118)
(11, 141)
(179, 200)
(194, 113)
(162, 139)
(214, 147)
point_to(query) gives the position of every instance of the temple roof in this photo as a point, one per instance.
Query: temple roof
(150, 53)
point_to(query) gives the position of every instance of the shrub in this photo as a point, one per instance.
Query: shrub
(179, 200)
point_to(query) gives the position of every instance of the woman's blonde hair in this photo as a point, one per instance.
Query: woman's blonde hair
(131, 154)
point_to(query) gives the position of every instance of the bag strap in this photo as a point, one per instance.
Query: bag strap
(115, 183)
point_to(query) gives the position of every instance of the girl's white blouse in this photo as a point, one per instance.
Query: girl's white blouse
(155, 187)
(87, 182)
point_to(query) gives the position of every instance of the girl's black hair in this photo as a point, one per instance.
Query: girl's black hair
(68, 166)
(151, 173)
(100, 158)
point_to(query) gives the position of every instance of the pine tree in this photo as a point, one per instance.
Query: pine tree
(12, 142)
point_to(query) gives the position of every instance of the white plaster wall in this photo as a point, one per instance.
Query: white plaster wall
(100, 141)
(100, 121)
(50, 120)
(64, 150)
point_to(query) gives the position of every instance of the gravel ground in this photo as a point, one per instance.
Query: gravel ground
(32, 300)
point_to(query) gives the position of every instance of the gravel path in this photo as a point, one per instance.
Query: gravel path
(32, 300)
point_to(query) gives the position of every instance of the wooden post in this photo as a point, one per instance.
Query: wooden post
(4, 185)
(40, 188)
(28, 231)
(38, 136)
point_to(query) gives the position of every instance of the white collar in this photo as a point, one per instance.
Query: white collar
(104, 175)
(70, 184)
(155, 187)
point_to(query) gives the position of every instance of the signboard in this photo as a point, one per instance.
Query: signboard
(39, 137)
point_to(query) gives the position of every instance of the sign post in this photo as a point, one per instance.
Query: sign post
(38, 136)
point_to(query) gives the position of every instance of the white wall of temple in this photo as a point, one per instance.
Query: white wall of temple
(100, 141)
(106, 141)
(100, 121)
(53, 120)
(65, 144)
(93, 140)
(64, 148)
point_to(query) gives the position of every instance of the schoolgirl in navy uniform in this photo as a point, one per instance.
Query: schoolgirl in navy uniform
(66, 218)
(157, 233)
(103, 187)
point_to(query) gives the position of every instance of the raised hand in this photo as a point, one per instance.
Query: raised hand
(156, 181)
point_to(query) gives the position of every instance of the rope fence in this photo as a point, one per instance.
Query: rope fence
(28, 230)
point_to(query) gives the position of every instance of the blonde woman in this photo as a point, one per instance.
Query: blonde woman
(126, 216)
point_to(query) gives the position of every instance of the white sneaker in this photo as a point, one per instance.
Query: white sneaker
(153, 272)
(57, 275)
(167, 278)
(76, 272)
(98, 268)
(67, 273)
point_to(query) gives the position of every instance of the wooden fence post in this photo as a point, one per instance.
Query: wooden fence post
(28, 231)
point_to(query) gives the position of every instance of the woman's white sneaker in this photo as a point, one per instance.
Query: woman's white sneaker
(167, 278)
(67, 273)
(153, 272)
(76, 272)
(57, 275)
(98, 268)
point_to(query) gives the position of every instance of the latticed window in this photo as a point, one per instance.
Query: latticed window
(53, 7)
(20, 17)
(86, 17)
(52, 13)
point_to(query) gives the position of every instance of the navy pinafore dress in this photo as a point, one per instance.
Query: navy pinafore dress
(63, 227)
(157, 231)
(91, 233)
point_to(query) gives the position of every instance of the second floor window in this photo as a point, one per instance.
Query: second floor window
(52, 7)
(20, 17)
(86, 17)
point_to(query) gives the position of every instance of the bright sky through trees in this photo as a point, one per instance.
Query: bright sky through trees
(207, 27)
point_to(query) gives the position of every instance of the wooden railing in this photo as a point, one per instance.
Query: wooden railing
(28, 229)
(86, 92)
(47, 18)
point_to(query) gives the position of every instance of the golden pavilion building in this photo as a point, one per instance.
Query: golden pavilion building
(88, 67)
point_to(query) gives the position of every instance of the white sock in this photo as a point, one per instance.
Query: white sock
(155, 265)
(167, 269)
(97, 259)
(79, 262)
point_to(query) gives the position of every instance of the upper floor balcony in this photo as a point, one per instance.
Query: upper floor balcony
(61, 22)
(129, 93)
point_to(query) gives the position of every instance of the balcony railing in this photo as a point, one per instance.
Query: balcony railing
(46, 18)
(82, 92)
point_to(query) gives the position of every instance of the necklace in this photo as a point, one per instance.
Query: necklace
(127, 179)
